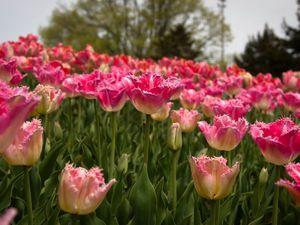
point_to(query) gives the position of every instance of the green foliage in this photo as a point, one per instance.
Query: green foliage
(147, 28)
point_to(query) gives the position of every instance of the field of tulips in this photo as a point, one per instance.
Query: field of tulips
(87, 138)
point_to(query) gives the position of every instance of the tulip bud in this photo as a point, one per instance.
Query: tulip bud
(175, 137)
(81, 191)
(58, 132)
(263, 176)
(123, 163)
(27, 146)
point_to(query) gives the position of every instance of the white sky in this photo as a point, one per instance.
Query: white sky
(246, 17)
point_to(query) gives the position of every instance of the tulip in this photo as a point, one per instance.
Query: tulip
(235, 108)
(163, 113)
(13, 112)
(111, 95)
(150, 92)
(52, 73)
(51, 98)
(81, 191)
(213, 179)
(186, 118)
(191, 99)
(9, 72)
(293, 187)
(291, 80)
(8, 216)
(291, 101)
(207, 105)
(278, 141)
(27, 145)
(225, 133)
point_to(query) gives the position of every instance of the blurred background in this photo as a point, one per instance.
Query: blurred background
(258, 35)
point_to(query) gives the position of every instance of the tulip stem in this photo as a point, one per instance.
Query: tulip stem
(113, 145)
(215, 216)
(28, 195)
(146, 139)
(45, 133)
(97, 133)
(173, 188)
(276, 198)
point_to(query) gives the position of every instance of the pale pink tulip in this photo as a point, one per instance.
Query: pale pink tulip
(81, 191)
(186, 118)
(8, 216)
(163, 113)
(213, 179)
(51, 98)
(27, 146)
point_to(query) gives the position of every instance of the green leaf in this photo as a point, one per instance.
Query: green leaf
(47, 165)
(6, 188)
(143, 199)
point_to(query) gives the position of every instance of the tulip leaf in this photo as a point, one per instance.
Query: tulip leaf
(47, 165)
(256, 221)
(143, 199)
(6, 188)
(117, 195)
(53, 219)
(90, 219)
(124, 212)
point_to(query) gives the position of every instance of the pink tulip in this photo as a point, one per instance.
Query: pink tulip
(213, 179)
(291, 80)
(186, 118)
(263, 97)
(291, 101)
(15, 106)
(81, 191)
(293, 187)
(27, 145)
(191, 99)
(232, 84)
(111, 93)
(51, 98)
(163, 113)
(225, 133)
(9, 72)
(8, 216)
(207, 105)
(278, 141)
(150, 92)
(235, 108)
(52, 73)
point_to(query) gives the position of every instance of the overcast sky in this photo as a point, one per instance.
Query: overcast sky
(246, 17)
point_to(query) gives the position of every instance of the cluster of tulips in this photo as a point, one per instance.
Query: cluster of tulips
(55, 140)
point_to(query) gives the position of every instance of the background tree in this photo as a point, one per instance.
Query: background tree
(292, 42)
(137, 28)
(265, 53)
